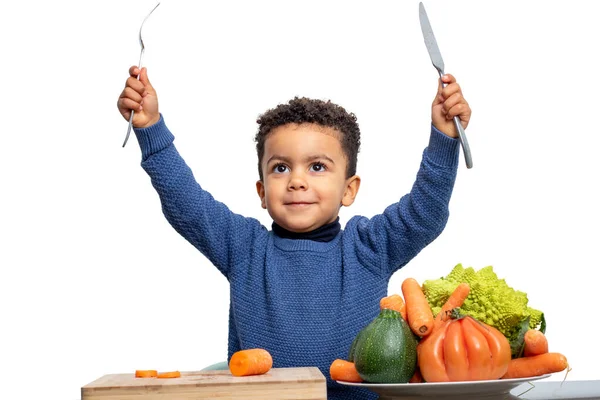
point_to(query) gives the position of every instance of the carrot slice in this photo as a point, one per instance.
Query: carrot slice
(145, 373)
(250, 362)
(342, 370)
(170, 374)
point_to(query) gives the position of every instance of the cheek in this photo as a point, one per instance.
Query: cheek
(331, 191)
(273, 189)
(270, 197)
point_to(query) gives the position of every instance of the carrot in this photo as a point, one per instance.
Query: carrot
(171, 374)
(456, 299)
(342, 370)
(394, 302)
(417, 377)
(145, 373)
(420, 317)
(250, 362)
(535, 343)
(526, 367)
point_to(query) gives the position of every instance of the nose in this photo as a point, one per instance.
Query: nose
(297, 182)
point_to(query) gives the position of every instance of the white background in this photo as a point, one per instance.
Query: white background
(94, 280)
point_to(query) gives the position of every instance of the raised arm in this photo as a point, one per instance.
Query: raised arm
(390, 240)
(223, 237)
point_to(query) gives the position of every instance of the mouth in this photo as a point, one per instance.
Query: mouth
(298, 204)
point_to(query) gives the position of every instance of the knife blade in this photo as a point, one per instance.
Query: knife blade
(438, 63)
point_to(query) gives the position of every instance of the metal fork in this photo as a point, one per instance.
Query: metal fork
(140, 67)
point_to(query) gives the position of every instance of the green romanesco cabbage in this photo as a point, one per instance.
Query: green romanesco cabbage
(490, 299)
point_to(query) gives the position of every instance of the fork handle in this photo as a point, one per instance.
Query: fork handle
(129, 128)
(132, 112)
(462, 137)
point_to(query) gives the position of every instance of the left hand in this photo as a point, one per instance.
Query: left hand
(449, 102)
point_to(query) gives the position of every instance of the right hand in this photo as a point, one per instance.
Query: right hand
(140, 96)
(449, 102)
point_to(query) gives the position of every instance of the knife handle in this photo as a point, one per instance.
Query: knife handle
(462, 137)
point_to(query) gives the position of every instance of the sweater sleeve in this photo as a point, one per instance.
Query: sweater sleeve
(224, 237)
(388, 241)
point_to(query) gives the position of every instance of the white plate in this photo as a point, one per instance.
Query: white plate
(492, 389)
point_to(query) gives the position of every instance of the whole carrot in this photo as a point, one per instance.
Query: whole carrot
(418, 312)
(456, 299)
(342, 370)
(250, 362)
(394, 302)
(525, 367)
(535, 343)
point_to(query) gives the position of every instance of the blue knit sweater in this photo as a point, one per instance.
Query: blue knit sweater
(304, 301)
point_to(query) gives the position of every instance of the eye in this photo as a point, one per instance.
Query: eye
(280, 169)
(318, 167)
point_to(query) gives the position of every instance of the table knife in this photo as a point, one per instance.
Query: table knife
(438, 63)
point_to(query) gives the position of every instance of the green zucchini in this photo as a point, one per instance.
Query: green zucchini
(353, 347)
(385, 351)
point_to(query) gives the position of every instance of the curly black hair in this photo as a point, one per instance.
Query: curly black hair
(304, 110)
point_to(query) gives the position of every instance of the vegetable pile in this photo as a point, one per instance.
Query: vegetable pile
(490, 300)
(467, 326)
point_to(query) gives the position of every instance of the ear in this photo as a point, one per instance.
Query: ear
(260, 189)
(352, 186)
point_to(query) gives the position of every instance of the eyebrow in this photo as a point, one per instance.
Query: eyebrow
(306, 159)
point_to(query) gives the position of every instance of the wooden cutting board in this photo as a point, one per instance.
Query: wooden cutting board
(278, 384)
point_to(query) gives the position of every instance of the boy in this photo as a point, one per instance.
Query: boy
(303, 290)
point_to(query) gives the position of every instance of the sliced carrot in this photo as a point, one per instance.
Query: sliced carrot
(394, 302)
(145, 373)
(525, 367)
(170, 374)
(456, 299)
(418, 312)
(535, 343)
(250, 362)
(342, 370)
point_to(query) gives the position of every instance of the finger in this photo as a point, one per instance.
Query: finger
(461, 110)
(126, 104)
(136, 85)
(451, 101)
(130, 93)
(448, 78)
(451, 90)
(438, 99)
(134, 71)
(144, 77)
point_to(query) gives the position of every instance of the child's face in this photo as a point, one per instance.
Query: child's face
(304, 172)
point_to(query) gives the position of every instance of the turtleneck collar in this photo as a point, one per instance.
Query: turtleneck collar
(325, 233)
